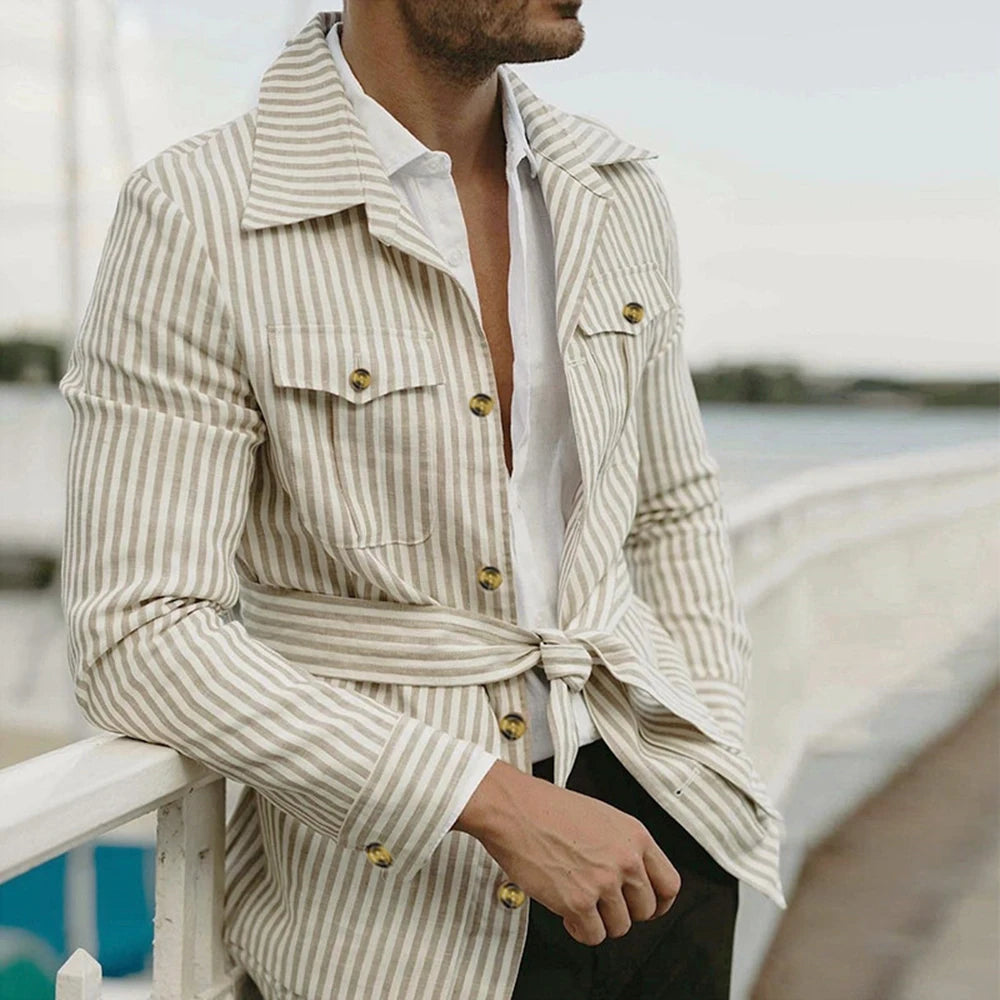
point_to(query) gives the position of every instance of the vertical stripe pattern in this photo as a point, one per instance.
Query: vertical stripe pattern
(279, 573)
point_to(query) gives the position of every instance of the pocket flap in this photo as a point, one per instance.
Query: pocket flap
(328, 358)
(609, 293)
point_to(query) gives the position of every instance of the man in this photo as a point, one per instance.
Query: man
(389, 498)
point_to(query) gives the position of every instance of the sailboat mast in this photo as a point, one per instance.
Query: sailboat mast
(71, 169)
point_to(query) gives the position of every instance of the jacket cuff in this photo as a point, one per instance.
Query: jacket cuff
(417, 789)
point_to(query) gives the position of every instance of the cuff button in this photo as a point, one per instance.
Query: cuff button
(511, 895)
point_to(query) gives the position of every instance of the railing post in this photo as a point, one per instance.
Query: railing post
(79, 978)
(188, 955)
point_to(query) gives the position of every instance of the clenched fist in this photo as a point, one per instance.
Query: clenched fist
(594, 865)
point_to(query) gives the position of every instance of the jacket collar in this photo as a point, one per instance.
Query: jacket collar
(397, 147)
(312, 157)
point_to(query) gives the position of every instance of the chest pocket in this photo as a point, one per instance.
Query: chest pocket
(358, 415)
(627, 316)
(634, 301)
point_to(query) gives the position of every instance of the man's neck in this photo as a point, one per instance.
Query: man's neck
(462, 118)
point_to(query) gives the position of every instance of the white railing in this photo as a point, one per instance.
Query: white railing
(863, 584)
(857, 580)
(895, 557)
(65, 798)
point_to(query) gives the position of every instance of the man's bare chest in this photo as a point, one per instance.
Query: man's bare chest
(489, 245)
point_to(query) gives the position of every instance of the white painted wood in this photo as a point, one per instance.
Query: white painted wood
(863, 585)
(870, 478)
(856, 578)
(79, 978)
(224, 989)
(68, 796)
(188, 957)
(79, 912)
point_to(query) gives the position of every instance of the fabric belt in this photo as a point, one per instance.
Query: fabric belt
(432, 644)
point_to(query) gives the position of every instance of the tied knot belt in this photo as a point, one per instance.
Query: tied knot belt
(431, 644)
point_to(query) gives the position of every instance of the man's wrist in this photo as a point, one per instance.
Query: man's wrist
(491, 802)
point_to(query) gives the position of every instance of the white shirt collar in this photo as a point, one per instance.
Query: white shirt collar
(397, 146)
(518, 146)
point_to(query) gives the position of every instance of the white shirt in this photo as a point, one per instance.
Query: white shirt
(546, 462)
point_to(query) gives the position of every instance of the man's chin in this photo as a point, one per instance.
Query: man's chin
(551, 41)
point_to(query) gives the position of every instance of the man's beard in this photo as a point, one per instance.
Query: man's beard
(467, 39)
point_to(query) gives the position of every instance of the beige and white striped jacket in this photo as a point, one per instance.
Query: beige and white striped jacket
(287, 548)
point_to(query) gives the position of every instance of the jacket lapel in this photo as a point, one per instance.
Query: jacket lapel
(576, 193)
(312, 157)
(578, 197)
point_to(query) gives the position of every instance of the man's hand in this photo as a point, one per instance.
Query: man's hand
(594, 865)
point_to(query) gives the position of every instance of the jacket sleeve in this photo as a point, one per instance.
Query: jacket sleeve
(678, 549)
(162, 455)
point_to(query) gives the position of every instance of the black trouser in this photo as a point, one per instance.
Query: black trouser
(684, 955)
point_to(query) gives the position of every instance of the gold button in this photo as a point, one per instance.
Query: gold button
(490, 577)
(632, 311)
(481, 404)
(378, 854)
(511, 895)
(513, 726)
(361, 378)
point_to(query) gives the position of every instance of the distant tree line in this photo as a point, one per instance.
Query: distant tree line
(31, 359)
(40, 357)
(788, 383)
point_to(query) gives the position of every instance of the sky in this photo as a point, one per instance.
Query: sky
(834, 171)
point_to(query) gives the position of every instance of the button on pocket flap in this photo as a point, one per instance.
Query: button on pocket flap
(627, 300)
(355, 363)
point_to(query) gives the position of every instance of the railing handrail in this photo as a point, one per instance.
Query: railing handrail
(66, 797)
(826, 481)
